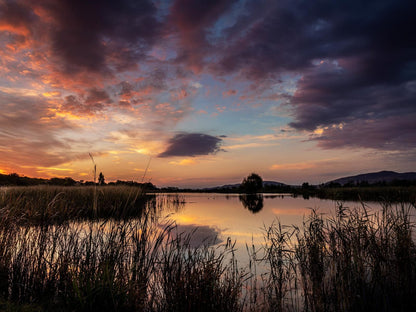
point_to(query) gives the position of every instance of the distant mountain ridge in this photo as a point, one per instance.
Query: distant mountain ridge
(371, 178)
(237, 185)
(375, 177)
(273, 183)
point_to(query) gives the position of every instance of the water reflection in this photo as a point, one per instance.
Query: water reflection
(199, 235)
(252, 202)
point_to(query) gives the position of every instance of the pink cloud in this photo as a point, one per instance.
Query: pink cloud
(229, 93)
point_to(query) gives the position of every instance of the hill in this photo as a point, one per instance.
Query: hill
(375, 177)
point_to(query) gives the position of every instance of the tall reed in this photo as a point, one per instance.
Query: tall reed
(354, 260)
(95, 205)
(116, 265)
(358, 261)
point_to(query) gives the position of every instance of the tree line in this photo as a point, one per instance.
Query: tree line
(13, 179)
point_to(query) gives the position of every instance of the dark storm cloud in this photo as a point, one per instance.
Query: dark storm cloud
(100, 36)
(193, 20)
(16, 15)
(192, 144)
(16, 25)
(96, 95)
(392, 133)
(288, 35)
(329, 95)
(198, 14)
(357, 60)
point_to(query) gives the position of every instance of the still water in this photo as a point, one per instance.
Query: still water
(213, 217)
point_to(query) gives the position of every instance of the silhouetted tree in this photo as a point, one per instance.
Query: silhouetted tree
(69, 182)
(252, 184)
(101, 180)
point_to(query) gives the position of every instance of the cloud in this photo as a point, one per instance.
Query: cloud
(101, 36)
(350, 65)
(289, 35)
(91, 103)
(389, 133)
(80, 39)
(229, 93)
(356, 61)
(192, 144)
(30, 134)
(15, 18)
(294, 166)
(348, 114)
(192, 21)
(184, 162)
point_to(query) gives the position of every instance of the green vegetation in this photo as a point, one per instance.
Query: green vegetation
(355, 260)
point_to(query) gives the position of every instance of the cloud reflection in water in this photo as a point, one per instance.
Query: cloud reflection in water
(199, 235)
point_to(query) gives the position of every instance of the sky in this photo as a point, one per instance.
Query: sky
(202, 93)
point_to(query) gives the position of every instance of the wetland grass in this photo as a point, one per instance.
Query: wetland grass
(54, 204)
(393, 194)
(354, 260)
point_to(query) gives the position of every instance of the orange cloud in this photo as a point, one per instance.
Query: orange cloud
(51, 94)
(247, 145)
(184, 162)
(20, 29)
(164, 108)
(294, 166)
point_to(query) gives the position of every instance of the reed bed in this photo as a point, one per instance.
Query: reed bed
(353, 260)
(129, 265)
(53, 204)
(396, 194)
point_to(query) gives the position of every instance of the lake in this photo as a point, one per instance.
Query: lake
(214, 217)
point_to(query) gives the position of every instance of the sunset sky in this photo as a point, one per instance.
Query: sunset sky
(207, 91)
